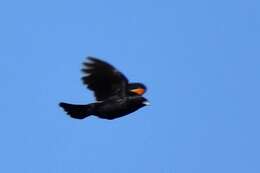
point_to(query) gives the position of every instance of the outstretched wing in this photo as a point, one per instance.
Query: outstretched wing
(103, 79)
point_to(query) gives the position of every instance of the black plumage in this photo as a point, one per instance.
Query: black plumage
(115, 96)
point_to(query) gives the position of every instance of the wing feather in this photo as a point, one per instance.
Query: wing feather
(104, 79)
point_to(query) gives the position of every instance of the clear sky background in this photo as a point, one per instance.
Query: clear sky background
(201, 63)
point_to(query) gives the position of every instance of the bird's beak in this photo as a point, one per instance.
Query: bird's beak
(146, 103)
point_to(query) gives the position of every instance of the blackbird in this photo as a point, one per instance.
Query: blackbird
(115, 96)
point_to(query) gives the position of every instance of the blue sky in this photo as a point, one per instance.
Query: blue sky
(199, 59)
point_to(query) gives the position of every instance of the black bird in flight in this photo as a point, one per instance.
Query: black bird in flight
(115, 96)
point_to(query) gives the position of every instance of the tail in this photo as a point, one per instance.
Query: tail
(77, 111)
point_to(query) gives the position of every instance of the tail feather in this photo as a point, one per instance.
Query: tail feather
(77, 111)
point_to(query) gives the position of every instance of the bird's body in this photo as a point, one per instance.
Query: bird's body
(115, 96)
(114, 108)
(108, 109)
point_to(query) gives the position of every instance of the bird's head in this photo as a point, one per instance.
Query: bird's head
(139, 101)
(145, 102)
